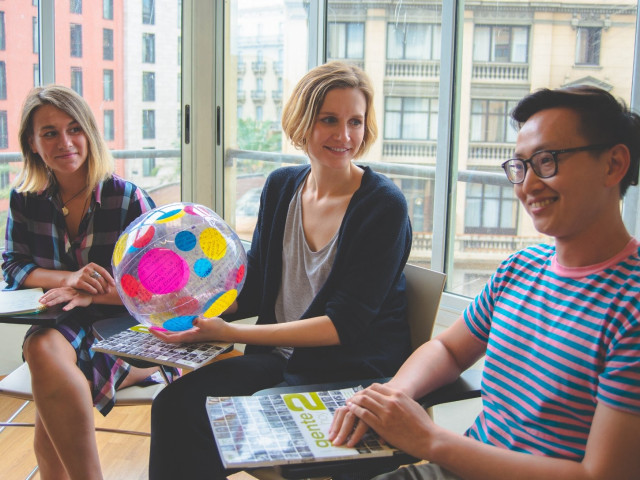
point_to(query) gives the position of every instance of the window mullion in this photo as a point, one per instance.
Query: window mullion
(47, 36)
(445, 177)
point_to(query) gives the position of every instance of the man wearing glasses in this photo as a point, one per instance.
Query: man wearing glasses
(559, 324)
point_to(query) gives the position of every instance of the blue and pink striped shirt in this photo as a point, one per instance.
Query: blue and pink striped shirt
(559, 341)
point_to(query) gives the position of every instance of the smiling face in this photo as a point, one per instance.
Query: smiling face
(59, 140)
(576, 202)
(339, 128)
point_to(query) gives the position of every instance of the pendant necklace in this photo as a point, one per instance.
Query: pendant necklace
(65, 210)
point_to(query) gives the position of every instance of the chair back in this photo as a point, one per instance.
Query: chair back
(424, 290)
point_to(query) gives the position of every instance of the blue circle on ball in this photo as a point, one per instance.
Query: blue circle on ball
(185, 241)
(177, 324)
(202, 267)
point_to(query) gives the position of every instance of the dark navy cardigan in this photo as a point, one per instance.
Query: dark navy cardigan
(364, 294)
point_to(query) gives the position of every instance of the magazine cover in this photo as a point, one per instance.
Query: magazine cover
(137, 342)
(283, 429)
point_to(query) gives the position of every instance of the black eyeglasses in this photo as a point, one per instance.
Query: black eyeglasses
(544, 163)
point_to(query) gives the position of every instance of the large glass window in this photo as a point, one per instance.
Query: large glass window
(411, 118)
(490, 121)
(148, 12)
(148, 86)
(148, 48)
(87, 57)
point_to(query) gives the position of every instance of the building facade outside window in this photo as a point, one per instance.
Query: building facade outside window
(490, 121)
(411, 118)
(76, 80)
(2, 32)
(148, 86)
(148, 12)
(75, 6)
(345, 40)
(109, 125)
(3, 80)
(107, 9)
(76, 40)
(500, 43)
(588, 45)
(4, 130)
(148, 124)
(148, 48)
(490, 209)
(413, 41)
(107, 85)
(107, 44)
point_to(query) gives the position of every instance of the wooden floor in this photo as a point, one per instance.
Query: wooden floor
(123, 457)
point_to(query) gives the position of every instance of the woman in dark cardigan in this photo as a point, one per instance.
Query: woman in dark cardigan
(324, 276)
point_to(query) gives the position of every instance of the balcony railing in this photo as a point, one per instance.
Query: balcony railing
(241, 96)
(278, 67)
(258, 96)
(501, 72)
(277, 96)
(404, 148)
(259, 67)
(490, 151)
(242, 68)
(422, 69)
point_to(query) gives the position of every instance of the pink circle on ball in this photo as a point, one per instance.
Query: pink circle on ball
(162, 271)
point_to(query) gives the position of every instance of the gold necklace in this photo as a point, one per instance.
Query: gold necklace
(65, 210)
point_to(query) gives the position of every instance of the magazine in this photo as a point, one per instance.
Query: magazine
(21, 302)
(138, 343)
(268, 430)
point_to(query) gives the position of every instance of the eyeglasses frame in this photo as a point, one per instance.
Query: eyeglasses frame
(554, 155)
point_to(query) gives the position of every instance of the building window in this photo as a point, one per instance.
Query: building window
(500, 44)
(109, 125)
(107, 9)
(2, 32)
(36, 74)
(490, 209)
(35, 37)
(107, 44)
(413, 41)
(490, 121)
(4, 130)
(411, 118)
(76, 80)
(76, 40)
(345, 40)
(148, 48)
(75, 6)
(3, 80)
(107, 85)
(588, 45)
(148, 86)
(148, 124)
(259, 113)
(148, 12)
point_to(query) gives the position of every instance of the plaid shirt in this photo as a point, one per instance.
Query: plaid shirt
(36, 234)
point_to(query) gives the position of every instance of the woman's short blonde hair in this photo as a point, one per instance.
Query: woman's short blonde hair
(301, 110)
(35, 175)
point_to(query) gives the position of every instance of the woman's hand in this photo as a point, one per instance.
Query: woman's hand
(71, 296)
(92, 278)
(203, 330)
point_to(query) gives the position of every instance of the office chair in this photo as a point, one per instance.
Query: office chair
(424, 290)
(18, 383)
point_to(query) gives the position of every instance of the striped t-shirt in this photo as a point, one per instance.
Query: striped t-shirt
(559, 340)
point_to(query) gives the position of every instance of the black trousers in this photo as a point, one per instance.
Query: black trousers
(182, 444)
